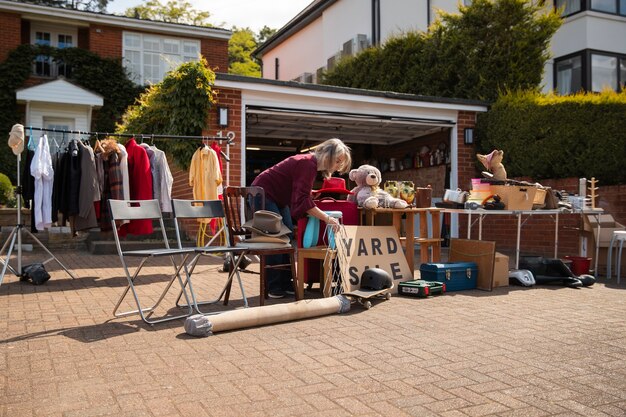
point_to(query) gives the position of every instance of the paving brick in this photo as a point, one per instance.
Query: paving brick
(512, 352)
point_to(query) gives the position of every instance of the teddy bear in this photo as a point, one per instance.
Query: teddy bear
(493, 163)
(368, 193)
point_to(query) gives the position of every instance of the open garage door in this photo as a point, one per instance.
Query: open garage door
(398, 146)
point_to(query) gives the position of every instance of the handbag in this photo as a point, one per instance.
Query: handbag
(36, 273)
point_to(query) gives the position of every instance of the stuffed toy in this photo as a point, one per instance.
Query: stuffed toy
(493, 163)
(368, 193)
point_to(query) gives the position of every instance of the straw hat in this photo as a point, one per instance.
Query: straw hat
(16, 139)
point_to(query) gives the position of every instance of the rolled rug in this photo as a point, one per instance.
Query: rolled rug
(201, 326)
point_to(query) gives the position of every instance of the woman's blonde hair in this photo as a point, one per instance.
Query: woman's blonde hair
(327, 153)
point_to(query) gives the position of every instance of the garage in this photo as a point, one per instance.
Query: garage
(410, 138)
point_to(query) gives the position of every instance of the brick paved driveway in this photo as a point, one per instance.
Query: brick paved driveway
(544, 351)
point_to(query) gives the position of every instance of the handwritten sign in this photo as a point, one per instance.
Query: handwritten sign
(363, 247)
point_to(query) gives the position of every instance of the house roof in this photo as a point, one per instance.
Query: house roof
(279, 112)
(59, 91)
(84, 18)
(302, 19)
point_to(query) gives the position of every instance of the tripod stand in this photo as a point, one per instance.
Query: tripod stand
(16, 235)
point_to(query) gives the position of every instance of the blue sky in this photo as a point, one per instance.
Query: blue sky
(241, 13)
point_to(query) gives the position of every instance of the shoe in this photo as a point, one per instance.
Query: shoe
(276, 294)
(290, 291)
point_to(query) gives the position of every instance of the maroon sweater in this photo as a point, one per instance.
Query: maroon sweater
(289, 183)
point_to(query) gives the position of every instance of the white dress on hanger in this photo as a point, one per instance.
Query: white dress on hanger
(41, 169)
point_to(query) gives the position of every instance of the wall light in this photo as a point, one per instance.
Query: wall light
(468, 136)
(222, 116)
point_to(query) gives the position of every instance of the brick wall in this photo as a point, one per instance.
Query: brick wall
(11, 33)
(106, 41)
(216, 53)
(232, 99)
(466, 153)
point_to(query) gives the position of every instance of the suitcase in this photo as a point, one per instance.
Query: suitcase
(421, 288)
(457, 276)
(350, 217)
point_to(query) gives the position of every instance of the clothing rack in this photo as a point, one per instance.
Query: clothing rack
(228, 139)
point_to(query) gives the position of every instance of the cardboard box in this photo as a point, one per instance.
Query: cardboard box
(516, 197)
(607, 226)
(500, 276)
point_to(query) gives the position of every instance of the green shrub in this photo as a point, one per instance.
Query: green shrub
(6, 190)
(550, 136)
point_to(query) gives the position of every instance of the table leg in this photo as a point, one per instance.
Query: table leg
(436, 219)
(300, 275)
(556, 236)
(597, 242)
(424, 234)
(469, 225)
(410, 238)
(519, 229)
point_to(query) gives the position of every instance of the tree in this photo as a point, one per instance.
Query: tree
(174, 11)
(488, 47)
(88, 5)
(264, 34)
(178, 105)
(240, 48)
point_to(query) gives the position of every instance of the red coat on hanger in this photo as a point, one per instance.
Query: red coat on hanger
(140, 181)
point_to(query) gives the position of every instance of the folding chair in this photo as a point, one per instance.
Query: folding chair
(206, 209)
(252, 199)
(122, 210)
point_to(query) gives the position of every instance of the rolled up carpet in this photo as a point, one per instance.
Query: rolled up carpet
(201, 326)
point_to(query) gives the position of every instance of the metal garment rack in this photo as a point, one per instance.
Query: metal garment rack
(16, 234)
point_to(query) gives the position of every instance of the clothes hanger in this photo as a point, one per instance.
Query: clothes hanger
(31, 144)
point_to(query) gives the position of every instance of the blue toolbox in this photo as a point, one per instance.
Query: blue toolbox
(421, 288)
(457, 276)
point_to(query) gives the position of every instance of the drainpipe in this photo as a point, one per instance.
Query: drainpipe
(427, 14)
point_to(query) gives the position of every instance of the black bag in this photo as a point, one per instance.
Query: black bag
(36, 273)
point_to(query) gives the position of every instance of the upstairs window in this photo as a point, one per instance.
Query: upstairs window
(59, 37)
(602, 6)
(148, 57)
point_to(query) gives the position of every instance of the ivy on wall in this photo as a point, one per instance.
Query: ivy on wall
(550, 136)
(103, 76)
(178, 105)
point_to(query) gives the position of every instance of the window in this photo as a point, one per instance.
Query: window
(603, 72)
(148, 57)
(569, 6)
(590, 71)
(569, 75)
(603, 6)
(56, 37)
(57, 140)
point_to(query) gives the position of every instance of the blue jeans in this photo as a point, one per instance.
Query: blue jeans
(278, 279)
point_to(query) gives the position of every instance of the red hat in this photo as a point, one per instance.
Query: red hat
(333, 185)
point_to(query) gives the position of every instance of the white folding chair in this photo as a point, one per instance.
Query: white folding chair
(122, 210)
(206, 209)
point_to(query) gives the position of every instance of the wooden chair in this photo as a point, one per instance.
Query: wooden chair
(240, 203)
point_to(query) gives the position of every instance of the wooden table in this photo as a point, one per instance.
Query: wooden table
(410, 240)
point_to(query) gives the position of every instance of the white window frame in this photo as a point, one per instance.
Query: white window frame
(178, 52)
(54, 32)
